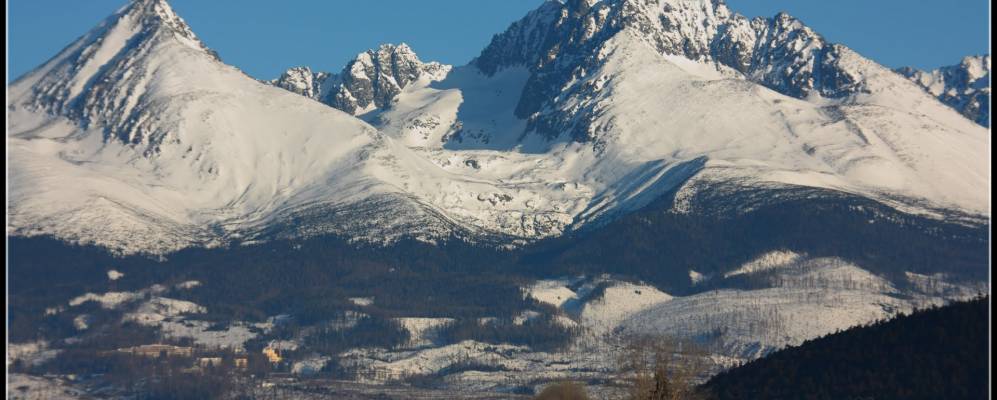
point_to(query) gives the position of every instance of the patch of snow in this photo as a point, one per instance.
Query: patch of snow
(283, 345)
(109, 300)
(362, 301)
(618, 302)
(159, 309)
(696, 277)
(939, 285)
(309, 365)
(114, 275)
(525, 316)
(32, 387)
(234, 336)
(82, 322)
(187, 285)
(768, 261)
(422, 330)
(30, 353)
(553, 292)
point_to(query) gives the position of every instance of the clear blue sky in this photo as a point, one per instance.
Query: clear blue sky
(266, 37)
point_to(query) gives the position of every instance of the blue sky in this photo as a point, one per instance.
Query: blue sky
(266, 37)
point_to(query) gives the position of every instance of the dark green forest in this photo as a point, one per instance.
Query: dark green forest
(313, 278)
(937, 353)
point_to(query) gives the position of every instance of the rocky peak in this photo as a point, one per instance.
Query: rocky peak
(159, 15)
(370, 81)
(375, 77)
(964, 86)
(561, 42)
(301, 80)
(99, 79)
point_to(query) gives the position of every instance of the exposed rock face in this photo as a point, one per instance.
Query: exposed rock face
(371, 81)
(302, 80)
(561, 42)
(93, 81)
(964, 86)
(135, 137)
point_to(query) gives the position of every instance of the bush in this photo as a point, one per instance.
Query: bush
(563, 391)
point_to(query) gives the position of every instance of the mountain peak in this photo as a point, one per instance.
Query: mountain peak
(964, 86)
(98, 79)
(158, 14)
(370, 81)
(580, 112)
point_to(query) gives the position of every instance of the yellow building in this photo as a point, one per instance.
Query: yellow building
(272, 355)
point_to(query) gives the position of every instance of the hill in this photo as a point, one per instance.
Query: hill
(938, 353)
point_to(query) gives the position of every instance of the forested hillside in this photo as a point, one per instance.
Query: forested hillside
(939, 353)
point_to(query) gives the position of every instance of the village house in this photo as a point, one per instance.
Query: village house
(272, 355)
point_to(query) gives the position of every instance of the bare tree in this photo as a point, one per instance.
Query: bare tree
(661, 368)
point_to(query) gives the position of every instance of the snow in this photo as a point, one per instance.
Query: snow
(212, 165)
(751, 323)
(362, 301)
(175, 149)
(30, 353)
(768, 261)
(422, 331)
(553, 292)
(696, 277)
(158, 309)
(310, 365)
(31, 387)
(400, 364)
(109, 300)
(806, 298)
(114, 300)
(795, 298)
(187, 285)
(179, 149)
(173, 317)
(114, 275)
(283, 345)
(150, 307)
(964, 87)
(618, 302)
(802, 297)
(232, 337)
(81, 322)
(940, 284)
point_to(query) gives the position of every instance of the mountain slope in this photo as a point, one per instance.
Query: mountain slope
(935, 353)
(964, 87)
(370, 81)
(584, 87)
(137, 137)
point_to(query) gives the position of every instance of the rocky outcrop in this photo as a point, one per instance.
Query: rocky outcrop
(369, 82)
(964, 86)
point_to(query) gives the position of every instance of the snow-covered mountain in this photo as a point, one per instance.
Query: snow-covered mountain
(964, 86)
(139, 138)
(369, 82)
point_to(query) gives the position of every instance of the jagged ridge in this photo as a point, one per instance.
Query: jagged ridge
(579, 113)
(370, 81)
(964, 86)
